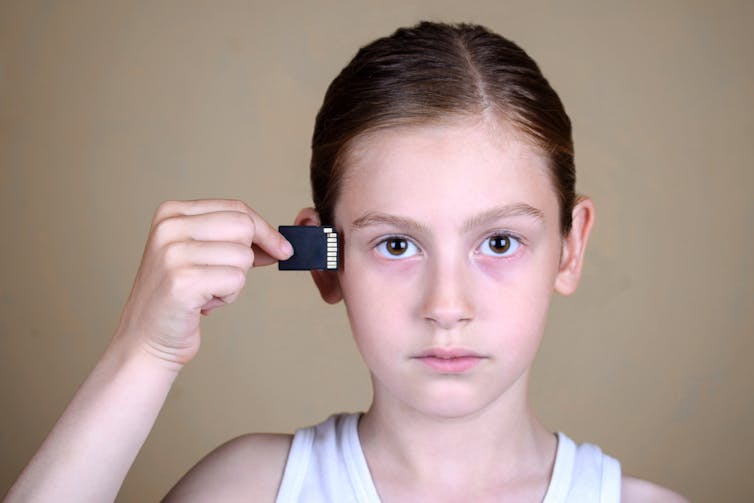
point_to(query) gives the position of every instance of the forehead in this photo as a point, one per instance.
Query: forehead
(451, 169)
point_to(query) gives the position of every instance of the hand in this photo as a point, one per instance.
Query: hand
(195, 260)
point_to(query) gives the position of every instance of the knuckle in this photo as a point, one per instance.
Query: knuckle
(174, 253)
(239, 277)
(162, 230)
(251, 229)
(179, 281)
(245, 227)
(164, 209)
(247, 257)
(239, 206)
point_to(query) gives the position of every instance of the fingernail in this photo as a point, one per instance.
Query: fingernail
(286, 248)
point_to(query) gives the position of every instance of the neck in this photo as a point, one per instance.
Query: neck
(498, 445)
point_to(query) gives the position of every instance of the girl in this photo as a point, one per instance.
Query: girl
(445, 161)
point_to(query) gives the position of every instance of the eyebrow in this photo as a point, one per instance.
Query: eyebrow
(502, 212)
(497, 213)
(374, 218)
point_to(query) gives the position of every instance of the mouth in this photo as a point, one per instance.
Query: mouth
(450, 360)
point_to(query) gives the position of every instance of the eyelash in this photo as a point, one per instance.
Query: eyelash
(513, 239)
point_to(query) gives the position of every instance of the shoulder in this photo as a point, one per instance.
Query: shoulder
(641, 491)
(248, 465)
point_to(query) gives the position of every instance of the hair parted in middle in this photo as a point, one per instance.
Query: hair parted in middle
(435, 72)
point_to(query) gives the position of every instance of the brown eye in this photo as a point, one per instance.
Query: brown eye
(396, 246)
(500, 245)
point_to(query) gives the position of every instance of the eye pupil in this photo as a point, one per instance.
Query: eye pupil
(500, 244)
(396, 246)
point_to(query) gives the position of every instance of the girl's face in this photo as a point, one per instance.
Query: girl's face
(452, 249)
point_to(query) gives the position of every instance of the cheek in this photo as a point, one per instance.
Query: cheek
(379, 301)
(524, 283)
(374, 281)
(513, 297)
(373, 300)
(376, 334)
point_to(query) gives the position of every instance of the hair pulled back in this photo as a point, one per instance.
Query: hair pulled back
(436, 71)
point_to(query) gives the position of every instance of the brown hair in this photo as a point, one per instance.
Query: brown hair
(435, 71)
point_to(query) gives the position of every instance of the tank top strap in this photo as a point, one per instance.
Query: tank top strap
(562, 471)
(355, 461)
(583, 474)
(326, 465)
(297, 466)
(611, 479)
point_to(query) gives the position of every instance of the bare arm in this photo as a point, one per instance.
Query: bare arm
(635, 490)
(91, 448)
(247, 467)
(195, 260)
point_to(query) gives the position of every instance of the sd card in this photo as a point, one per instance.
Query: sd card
(313, 248)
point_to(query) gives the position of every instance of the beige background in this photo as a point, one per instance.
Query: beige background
(106, 110)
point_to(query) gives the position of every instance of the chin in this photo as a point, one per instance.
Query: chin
(452, 404)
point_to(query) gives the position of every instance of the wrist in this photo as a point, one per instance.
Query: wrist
(127, 350)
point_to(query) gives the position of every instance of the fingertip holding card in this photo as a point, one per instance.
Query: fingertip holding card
(313, 248)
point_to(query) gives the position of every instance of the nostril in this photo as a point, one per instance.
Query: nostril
(446, 300)
(447, 315)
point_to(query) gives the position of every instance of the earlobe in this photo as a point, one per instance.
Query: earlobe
(329, 286)
(327, 281)
(574, 246)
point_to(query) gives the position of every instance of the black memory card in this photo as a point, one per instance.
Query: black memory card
(313, 248)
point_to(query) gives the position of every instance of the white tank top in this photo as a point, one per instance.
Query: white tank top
(326, 464)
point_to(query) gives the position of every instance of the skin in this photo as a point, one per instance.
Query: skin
(195, 260)
(446, 190)
(430, 435)
(456, 187)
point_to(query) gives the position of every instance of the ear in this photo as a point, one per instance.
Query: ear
(327, 281)
(574, 246)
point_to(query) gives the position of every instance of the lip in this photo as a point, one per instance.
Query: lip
(450, 360)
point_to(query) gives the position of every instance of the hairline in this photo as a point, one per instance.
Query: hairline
(491, 112)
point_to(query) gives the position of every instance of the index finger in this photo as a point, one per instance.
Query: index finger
(265, 236)
(269, 240)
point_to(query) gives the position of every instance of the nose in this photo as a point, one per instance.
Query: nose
(447, 301)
